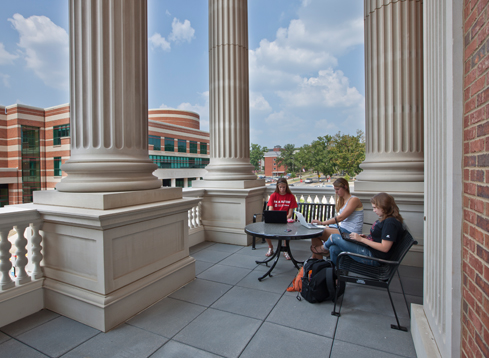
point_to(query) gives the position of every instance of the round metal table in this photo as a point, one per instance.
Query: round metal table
(281, 232)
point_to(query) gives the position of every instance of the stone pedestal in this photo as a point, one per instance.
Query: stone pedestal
(104, 266)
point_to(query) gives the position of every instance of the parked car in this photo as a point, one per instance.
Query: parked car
(308, 181)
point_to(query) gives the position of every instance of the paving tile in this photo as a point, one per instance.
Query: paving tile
(411, 271)
(224, 274)
(219, 332)
(278, 283)
(201, 246)
(273, 341)
(363, 298)
(122, 341)
(201, 266)
(167, 317)
(25, 324)
(3, 337)
(238, 260)
(374, 331)
(310, 317)
(247, 302)
(57, 336)
(412, 286)
(226, 248)
(210, 255)
(201, 292)
(347, 350)
(13, 348)
(174, 349)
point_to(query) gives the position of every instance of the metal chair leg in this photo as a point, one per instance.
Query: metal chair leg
(393, 326)
(253, 244)
(334, 313)
(404, 294)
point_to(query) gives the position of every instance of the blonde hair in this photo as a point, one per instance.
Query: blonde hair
(388, 205)
(341, 183)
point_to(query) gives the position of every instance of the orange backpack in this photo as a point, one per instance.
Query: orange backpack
(297, 282)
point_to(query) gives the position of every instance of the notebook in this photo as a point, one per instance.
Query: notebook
(275, 217)
(303, 221)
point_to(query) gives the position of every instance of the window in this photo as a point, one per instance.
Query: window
(166, 182)
(169, 144)
(190, 180)
(193, 147)
(203, 148)
(182, 146)
(156, 141)
(59, 132)
(179, 183)
(3, 195)
(170, 162)
(31, 162)
(57, 166)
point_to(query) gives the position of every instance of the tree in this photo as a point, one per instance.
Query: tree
(347, 152)
(302, 158)
(256, 154)
(286, 157)
(321, 160)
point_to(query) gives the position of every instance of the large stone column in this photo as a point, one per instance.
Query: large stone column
(233, 194)
(394, 161)
(109, 98)
(229, 92)
(393, 97)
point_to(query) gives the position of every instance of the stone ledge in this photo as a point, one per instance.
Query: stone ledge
(105, 201)
(423, 339)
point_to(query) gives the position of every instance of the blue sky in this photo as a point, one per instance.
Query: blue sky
(306, 62)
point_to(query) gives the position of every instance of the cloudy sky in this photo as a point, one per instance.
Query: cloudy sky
(306, 62)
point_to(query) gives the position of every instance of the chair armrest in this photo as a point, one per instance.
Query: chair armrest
(346, 253)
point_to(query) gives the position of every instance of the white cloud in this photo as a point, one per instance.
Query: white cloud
(164, 106)
(181, 31)
(5, 57)
(45, 48)
(5, 79)
(167, 13)
(157, 41)
(258, 102)
(330, 89)
(202, 110)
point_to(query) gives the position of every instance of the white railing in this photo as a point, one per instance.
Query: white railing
(20, 247)
(196, 229)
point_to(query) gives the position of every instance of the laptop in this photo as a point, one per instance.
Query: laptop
(346, 236)
(303, 221)
(275, 217)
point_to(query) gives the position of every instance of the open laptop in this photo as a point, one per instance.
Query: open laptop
(303, 221)
(346, 236)
(275, 217)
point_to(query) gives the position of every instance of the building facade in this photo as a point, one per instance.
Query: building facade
(36, 142)
(271, 166)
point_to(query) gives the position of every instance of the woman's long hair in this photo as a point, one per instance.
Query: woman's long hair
(282, 180)
(388, 205)
(341, 183)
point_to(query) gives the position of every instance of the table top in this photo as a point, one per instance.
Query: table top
(281, 231)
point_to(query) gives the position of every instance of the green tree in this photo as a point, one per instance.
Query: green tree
(302, 158)
(286, 157)
(256, 154)
(321, 160)
(347, 152)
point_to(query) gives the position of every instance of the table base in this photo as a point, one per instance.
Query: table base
(276, 256)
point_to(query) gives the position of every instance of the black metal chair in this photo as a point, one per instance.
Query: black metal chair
(349, 270)
(255, 216)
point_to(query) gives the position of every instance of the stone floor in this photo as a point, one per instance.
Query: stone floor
(227, 312)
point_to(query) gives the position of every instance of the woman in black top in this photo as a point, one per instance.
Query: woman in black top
(383, 234)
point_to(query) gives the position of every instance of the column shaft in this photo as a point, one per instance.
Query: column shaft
(109, 98)
(394, 92)
(229, 91)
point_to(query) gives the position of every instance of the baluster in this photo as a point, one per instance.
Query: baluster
(192, 214)
(331, 200)
(36, 250)
(5, 264)
(189, 214)
(21, 261)
(199, 217)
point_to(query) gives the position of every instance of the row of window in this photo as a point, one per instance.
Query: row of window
(166, 162)
(64, 131)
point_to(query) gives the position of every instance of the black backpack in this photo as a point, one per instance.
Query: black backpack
(318, 281)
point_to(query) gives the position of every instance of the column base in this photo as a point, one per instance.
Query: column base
(105, 312)
(423, 339)
(388, 187)
(229, 170)
(229, 184)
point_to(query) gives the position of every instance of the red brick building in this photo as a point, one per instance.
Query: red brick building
(270, 158)
(36, 141)
(475, 275)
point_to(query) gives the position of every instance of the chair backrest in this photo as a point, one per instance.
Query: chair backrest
(318, 211)
(402, 246)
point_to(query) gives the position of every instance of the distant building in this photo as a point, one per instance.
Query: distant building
(270, 158)
(36, 141)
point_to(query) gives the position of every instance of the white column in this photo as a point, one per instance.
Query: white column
(393, 97)
(229, 92)
(109, 98)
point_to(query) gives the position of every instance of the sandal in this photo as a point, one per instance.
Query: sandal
(269, 252)
(319, 250)
(286, 255)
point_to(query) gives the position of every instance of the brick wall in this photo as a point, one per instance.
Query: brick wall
(475, 279)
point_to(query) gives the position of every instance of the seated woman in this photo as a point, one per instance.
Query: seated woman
(383, 234)
(350, 217)
(281, 199)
